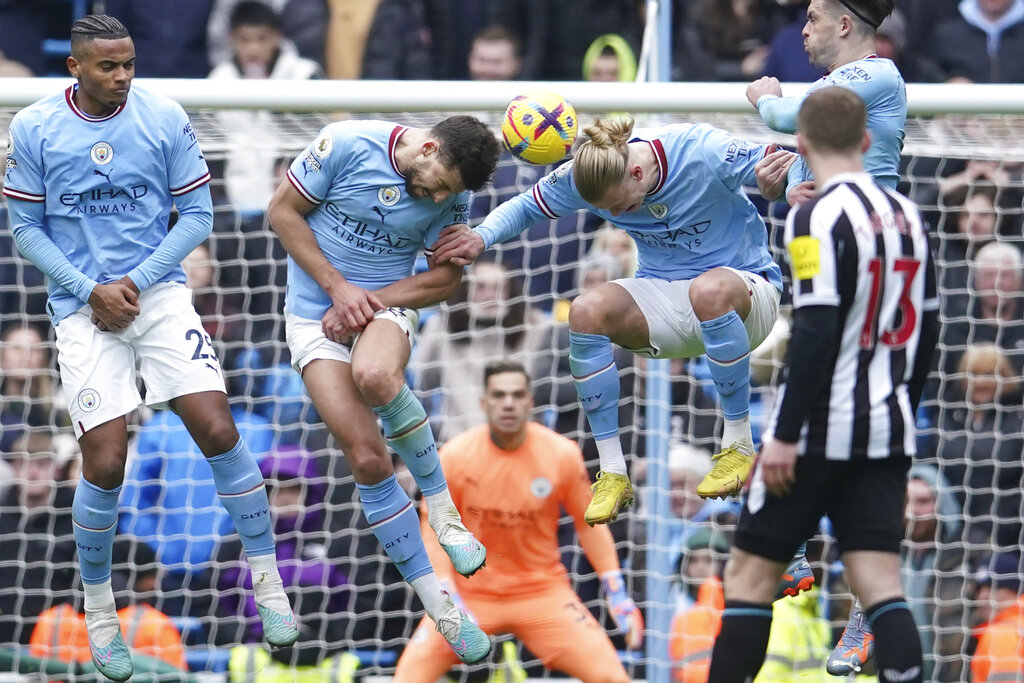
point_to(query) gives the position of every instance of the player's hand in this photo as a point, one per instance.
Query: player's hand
(766, 85)
(355, 305)
(778, 466)
(114, 305)
(624, 611)
(801, 192)
(771, 172)
(336, 329)
(459, 245)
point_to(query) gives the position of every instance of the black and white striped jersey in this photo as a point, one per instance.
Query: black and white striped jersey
(862, 248)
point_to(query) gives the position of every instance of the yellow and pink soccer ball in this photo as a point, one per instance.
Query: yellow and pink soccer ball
(539, 127)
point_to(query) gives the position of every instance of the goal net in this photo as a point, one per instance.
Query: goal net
(964, 171)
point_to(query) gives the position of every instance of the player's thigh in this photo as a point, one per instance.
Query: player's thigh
(557, 627)
(773, 527)
(867, 512)
(175, 354)
(426, 656)
(384, 346)
(611, 310)
(97, 372)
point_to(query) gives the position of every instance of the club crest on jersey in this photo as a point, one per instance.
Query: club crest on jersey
(659, 211)
(541, 487)
(323, 145)
(389, 195)
(101, 153)
(88, 400)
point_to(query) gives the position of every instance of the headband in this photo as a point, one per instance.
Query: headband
(849, 5)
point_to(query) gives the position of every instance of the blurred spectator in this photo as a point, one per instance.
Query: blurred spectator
(398, 44)
(169, 37)
(487, 318)
(553, 52)
(786, 59)
(969, 222)
(12, 69)
(933, 571)
(1001, 635)
(727, 40)
(981, 439)
(449, 22)
(891, 43)
(609, 59)
(495, 55)
(60, 632)
(922, 18)
(616, 242)
(303, 23)
(169, 501)
(984, 44)
(23, 28)
(348, 26)
(308, 560)
(36, 534)
(29, 393)
(258, 50)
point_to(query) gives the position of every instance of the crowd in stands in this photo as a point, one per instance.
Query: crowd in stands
(180, 575)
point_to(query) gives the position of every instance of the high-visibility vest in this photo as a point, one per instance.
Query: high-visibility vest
(253, 664)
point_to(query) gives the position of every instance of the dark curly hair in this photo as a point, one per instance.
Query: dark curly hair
(468, 145)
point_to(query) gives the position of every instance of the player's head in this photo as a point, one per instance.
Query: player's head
(605, 174)
(507, 401)
(495, 55)
(102, 60)
(459, 153)
(255, 36)
(834, 25)
(832, 122)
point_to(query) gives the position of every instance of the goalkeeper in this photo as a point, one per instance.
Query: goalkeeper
(511, 478)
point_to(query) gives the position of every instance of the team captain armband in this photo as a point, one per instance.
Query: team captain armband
(805, 255)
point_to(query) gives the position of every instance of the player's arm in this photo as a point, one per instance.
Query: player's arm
(778, 112)
(553, 196)
(195, 223)
(287, 214)
(430, 287)
(737, 162)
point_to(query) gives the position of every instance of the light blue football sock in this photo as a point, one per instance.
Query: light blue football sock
(393, 520)
(592, 363)
(243, 493)
(94, 513)
(408, 432)
(728, 350)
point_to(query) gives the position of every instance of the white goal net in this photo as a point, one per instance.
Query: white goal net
(966, 172)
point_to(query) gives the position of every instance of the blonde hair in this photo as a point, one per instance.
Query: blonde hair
(988, 359)
(600, 161)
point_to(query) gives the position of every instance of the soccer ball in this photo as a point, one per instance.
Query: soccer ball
(539, 127)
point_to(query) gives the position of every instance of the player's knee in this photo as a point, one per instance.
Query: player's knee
(586, 315)
(715, 293)
(219, 436)
(368, 464)
(376, 382)
(104, 468)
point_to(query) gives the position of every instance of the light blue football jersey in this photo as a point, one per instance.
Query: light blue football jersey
(696, 218)
(366, 223)
(102, 188)
(880, 85)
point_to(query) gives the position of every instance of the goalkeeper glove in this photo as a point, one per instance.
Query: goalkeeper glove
(625, 612)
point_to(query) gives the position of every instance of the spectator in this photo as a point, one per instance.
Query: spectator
(933, 570)
(303, 23)
(618, 243)
(12, 69)
(449, 22)
(258, 50)
(169, 37)
(29, 394)
(169, 501)
(981, 438)
(1001, 638)
(35, 532)
(727, 41)
(969, 222)
(487, 318)
(309, 564)
(398, 44)
(495, 55)
(609, 59)
(984, 44)
(891, 43)
(922, 18)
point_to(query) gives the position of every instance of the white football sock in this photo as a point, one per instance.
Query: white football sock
(610, 453)
(101, 613)
(267, 585)
(737, 434)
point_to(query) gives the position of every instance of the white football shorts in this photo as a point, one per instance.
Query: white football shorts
(674, 327)
(307, 342)
(165, 345)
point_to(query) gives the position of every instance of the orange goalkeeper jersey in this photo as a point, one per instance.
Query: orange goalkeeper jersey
(512, 501)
